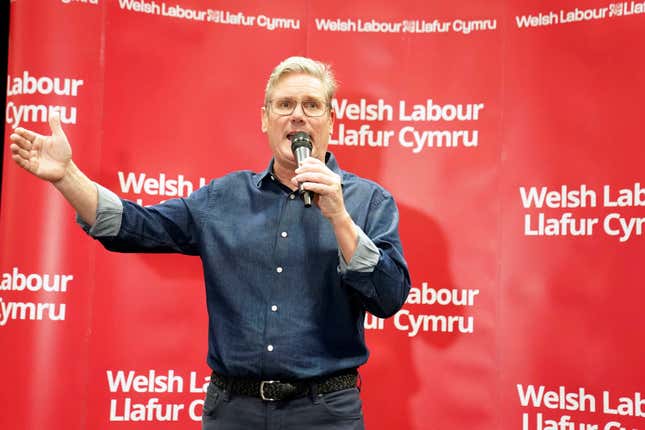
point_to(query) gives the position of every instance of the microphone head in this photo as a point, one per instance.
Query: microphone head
(300, 139)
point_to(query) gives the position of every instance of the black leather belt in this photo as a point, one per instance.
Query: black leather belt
(272, 391)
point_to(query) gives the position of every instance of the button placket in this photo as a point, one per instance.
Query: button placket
(288, 217)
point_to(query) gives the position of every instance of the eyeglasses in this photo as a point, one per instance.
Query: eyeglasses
(286, 106)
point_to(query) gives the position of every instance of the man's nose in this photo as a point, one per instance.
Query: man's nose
(298, 112)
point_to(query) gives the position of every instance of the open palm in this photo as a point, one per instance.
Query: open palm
(47, 157)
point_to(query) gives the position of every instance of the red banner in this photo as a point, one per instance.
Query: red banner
(509, 133)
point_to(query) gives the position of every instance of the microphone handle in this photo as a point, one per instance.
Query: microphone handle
(307, 196)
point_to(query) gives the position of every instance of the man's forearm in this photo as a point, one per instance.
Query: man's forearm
(346, 235)
(80, 192)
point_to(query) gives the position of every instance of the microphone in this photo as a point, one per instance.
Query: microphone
(301, 148)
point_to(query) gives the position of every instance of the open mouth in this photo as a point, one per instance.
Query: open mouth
(292, 133)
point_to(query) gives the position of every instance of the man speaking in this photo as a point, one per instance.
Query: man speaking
(287, 283)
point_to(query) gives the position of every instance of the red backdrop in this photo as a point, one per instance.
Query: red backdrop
(509, 132)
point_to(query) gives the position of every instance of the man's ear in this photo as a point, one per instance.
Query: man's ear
(264, 119)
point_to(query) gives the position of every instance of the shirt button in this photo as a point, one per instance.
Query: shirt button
(278, 269)
(284, 234)
(272, 178)
(269, 348)
(274, 308)
(292, 196)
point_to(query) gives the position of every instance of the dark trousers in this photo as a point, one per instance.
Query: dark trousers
(340, 410)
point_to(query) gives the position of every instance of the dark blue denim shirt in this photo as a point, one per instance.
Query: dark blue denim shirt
(282, 303)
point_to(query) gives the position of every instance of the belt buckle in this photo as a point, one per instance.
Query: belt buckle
(262, 396)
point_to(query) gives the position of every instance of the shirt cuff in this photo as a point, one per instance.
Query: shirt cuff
(365, 257)
(108, 214)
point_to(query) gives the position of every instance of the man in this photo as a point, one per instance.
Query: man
(287, 286)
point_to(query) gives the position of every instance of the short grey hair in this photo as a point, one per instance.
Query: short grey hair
(307, 66)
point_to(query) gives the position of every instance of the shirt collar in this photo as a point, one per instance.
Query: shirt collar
(330, 161)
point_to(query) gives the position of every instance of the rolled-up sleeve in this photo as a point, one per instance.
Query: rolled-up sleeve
(383, 289)
(365, 256)
(109, 212)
